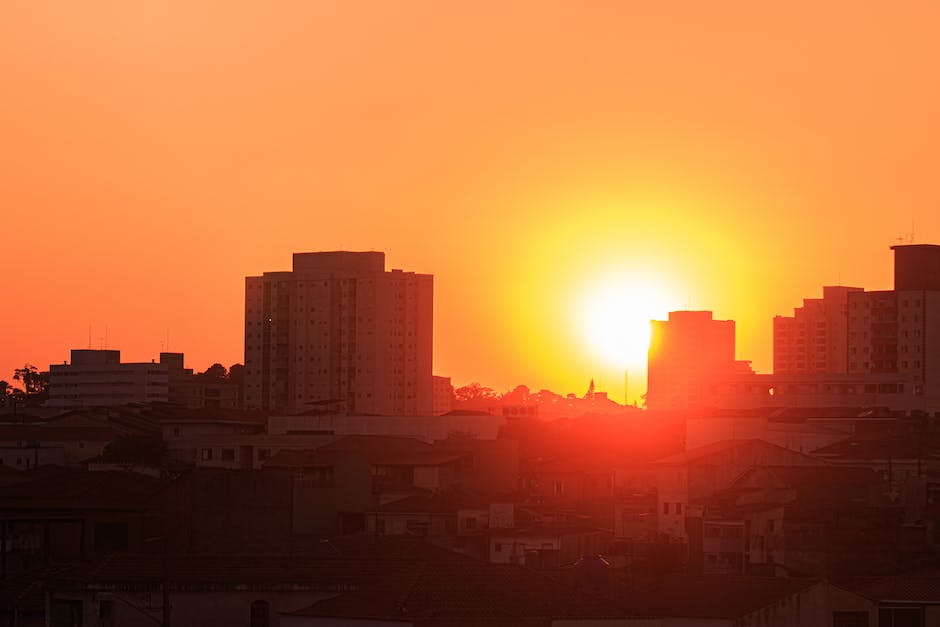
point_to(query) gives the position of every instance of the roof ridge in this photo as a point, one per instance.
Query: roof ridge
(402, 605)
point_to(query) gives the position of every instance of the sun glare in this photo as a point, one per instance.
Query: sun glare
(615, 319)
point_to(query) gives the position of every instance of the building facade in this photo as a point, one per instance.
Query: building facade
(339, 333)
(99, 378)
(898, 331)
(815, 338)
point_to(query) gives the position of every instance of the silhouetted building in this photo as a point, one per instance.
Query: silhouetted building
(339, 333)
(98, 377)
(688, 354)
(815, 338)
(198, 391)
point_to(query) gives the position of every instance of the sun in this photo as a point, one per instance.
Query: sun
(614, 318)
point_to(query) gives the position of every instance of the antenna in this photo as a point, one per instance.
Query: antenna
(906, 238)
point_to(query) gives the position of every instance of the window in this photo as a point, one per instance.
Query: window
(678, 508)
(260, 614)
(470, 523)
(498, 547)
(110, 537)
(106, 613)
(900, 617)
(207, 454)
(264, 454)
(665, 508)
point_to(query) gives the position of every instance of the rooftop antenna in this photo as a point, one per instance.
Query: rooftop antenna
(907, 238)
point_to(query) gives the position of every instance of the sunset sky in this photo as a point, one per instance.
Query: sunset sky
(547, 162)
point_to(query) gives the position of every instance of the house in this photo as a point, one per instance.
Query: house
(27, 446)
(688, 478)
(331, 489)
(137, 590)
(896, 601)
(75, 516)
(801, 520)
(546, 547)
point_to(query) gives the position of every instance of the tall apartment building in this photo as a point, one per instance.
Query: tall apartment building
(689, 354)
(898, 331)
(339, 333)
(815, 338)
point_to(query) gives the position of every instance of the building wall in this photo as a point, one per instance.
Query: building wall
(815, 338)
(319, 503)
(26, 457)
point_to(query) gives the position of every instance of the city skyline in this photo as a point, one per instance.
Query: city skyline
(735, 159)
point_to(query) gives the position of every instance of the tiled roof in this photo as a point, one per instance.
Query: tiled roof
(823, 476)
(336, 572)
(378, 444)
(708, 596)
(425, 504)
(923, 588)
(464, 591)
(883, 447)
(702, 452)
(81, 490)
(305, 458)
(52, 433)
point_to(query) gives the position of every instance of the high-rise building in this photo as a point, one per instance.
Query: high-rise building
(688, 355)
(898, 331)
(339, 333)
(815, 338)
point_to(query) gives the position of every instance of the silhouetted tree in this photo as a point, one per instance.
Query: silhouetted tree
(215, 372)
(474, 392)
(519, 395)
(236, 374)
(8, 394)
(144, 450)
(35, 383)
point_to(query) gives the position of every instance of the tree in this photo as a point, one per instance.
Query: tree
(215, 372)
(474, 392)
(8, 393)
(35, 383)
(236, 374)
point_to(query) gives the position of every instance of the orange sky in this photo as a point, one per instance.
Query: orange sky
(739, 154)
